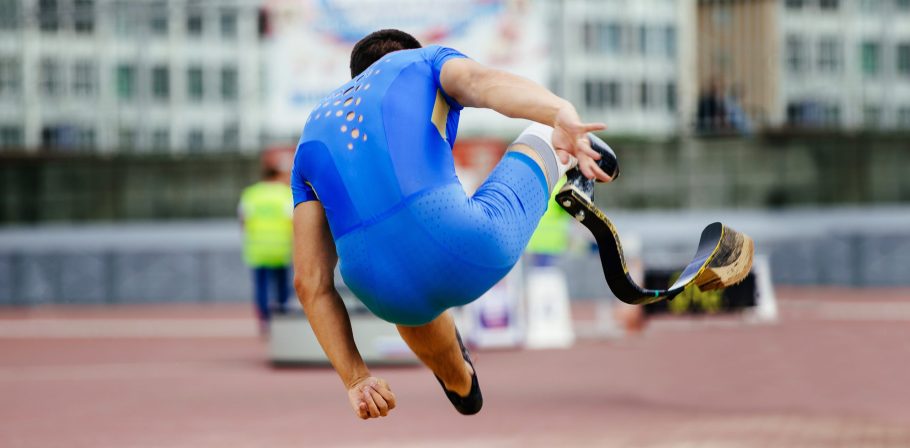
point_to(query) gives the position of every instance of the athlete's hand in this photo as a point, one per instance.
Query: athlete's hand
(371, 397)
(570, 137)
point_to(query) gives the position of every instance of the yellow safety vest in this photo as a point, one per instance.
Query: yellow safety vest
(266, 208)
(552, 234)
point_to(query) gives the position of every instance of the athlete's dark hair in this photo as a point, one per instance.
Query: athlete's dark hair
(376, 45)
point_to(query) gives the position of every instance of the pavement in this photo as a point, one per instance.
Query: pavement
(832, 372)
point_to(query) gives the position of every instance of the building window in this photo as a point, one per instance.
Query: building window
(831, 115)
(903, 59)
(794, 4)
(590, 37)
(194, 22)
(602, 94)
(84, 16)
(195, 140)
(613, 95)
(85, 79)
(643, 44)
(195, 86)
(161, 139)
(671, 97)
(126, 139)
(10, 77)
(124, 18)
(644, 97)
(903, 117)
(52, 137)
(796, 54)
(872, 117)
(9, 14)
(903, 5)
(126, 81)
(829, 5)
(51, 78)
(603, 38)
(66, 136)
(161, 82)
(670, 41)
(11, 137)
(231, 137)
(871, 58)
(228, 23)
(85, 138)
(229, 83)
(614, 38)
(48, 15)
(592, 96)
(158, 18)
(829, 55)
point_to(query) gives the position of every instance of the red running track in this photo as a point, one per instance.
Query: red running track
(832, 372)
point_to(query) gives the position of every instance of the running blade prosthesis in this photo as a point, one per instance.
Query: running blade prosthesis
(723, 257)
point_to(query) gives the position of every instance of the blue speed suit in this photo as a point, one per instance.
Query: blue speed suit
(377, 153)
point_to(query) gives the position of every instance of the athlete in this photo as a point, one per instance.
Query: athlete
(374, 184)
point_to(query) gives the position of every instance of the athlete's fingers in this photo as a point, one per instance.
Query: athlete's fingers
(380, 402)
(584, 145)
(592, 170)
(373, 409)
(386, 392)
(600, 174)
(362, 411)
(591, 127)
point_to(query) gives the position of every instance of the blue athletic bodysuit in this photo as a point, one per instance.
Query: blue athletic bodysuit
(377, 153)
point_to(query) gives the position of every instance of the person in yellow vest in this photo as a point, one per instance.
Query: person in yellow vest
(266, 212)
(551, 239)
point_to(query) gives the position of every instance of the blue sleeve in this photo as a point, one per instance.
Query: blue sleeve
(300, 188)
(438, 56)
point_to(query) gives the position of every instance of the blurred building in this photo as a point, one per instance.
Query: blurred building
(226, 75)
(130, 75)
(846, 64)
(626, 62)
(809, 63)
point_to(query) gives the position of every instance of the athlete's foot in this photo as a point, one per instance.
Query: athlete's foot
(608, 163)
(463, 387)
(471, 402)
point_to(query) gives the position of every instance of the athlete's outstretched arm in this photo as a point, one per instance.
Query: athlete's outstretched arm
(474, 85)
(314, 280)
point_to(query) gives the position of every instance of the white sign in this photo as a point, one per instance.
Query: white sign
(310, 42)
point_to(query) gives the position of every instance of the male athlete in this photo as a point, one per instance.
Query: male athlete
(374, 184)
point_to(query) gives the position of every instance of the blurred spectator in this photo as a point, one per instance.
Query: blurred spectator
(551, 238)
(736, 117)
(265, 212)
(721, 112)
(711, 114)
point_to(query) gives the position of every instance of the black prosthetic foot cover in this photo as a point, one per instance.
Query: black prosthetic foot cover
(608, 163)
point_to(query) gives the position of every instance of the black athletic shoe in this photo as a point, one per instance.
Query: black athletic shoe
(608, 163)
(472, 403)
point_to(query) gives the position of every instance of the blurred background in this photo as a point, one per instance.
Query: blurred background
(129, 129)
(121, 112)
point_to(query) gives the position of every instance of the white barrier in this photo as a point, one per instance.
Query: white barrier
(549, 313)
(496, 319)
(292, 341)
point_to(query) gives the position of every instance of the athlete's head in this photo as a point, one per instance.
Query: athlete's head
(378, 44)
